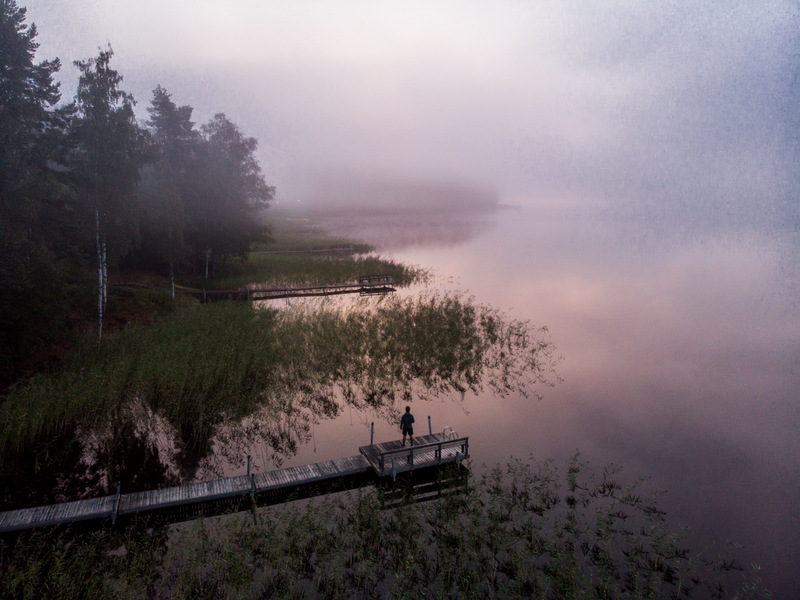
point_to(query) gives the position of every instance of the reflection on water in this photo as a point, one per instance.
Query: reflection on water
(135, 446)
(373, 357)
(301, 366)
(680, 349)
(269, 435)
(680, 362)
(680, 346)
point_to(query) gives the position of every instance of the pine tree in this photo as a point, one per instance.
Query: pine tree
(233, 191)
(31, 195)
(167, 186)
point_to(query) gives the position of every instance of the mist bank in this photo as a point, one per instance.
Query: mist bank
(327, 192)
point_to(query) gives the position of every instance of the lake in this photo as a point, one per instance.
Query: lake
(680, 345)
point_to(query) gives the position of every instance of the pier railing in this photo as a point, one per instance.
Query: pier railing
(402, 459)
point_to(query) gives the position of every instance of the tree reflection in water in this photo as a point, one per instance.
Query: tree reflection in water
(187, 398)
(375, 357)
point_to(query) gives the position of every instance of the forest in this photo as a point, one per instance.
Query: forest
(86, 190)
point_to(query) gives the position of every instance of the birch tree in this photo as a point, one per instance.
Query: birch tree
(110, 150)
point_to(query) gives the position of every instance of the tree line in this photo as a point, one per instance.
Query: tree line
(85, 187)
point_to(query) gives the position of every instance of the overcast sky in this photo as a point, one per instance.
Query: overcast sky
(677, 102)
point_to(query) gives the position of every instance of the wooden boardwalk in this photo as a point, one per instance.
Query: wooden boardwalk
(202, 493)
(336, 250)
(367, 285)
(243, 490)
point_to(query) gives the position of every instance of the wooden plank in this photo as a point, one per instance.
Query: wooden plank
(327, 468)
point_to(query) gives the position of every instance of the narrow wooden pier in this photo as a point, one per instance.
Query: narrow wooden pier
(212, 497)
(367, 285)
(335, 250)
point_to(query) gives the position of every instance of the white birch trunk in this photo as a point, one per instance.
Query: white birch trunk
(100, 293)
(105, 276)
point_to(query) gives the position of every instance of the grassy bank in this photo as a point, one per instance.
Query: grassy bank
(297, 256)
(148, 300)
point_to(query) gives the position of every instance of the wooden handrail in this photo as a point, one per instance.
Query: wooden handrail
(411, 450)
(423, 447)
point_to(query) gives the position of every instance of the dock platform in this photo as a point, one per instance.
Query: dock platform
(391, 458)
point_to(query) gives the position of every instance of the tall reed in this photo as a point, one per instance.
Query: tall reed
(222, 362)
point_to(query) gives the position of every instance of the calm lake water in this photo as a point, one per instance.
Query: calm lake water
(681, 354)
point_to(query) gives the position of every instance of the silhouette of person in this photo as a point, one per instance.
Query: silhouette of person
(407, 425)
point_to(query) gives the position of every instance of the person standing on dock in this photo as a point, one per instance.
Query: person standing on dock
(407, 425)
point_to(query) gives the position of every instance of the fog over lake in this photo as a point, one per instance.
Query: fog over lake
(651, 150)
(692, 105)
(680, 356)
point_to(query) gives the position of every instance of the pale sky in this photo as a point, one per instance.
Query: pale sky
(684, 103)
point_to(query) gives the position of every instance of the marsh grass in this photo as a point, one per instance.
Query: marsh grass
(222, 363)
(296, 234)
(300, 269)
(522, 530)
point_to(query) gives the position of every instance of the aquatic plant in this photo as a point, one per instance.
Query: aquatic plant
(520, 530)
(270, 270)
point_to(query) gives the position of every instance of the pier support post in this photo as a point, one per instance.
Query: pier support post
(116, 504)
(372, 433)
(430, 431)
(248, 465)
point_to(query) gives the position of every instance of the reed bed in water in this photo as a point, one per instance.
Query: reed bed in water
(223, 361)
(209, 359)
(520, 531)
(298, 269)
